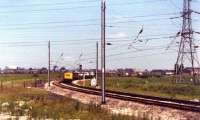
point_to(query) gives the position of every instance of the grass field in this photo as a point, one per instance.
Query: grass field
(38, 104)
(8, 80)
(155, 86)
(21, 77)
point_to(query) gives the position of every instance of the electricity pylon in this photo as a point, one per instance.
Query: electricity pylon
(186, 53)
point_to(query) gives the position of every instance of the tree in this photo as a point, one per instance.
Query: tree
(62, 69)
(54, 68)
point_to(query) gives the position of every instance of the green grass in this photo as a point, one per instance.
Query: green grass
(42, 105)
(10, 80)
(154, 86)
(39, 104)
(22, 77)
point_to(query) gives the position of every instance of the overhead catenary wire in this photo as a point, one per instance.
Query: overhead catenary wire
(141, 40)
(130, 52)
(74, 41)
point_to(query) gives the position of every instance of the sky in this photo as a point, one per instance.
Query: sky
(73, 27)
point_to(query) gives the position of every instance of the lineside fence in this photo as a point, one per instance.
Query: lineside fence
(24, 83)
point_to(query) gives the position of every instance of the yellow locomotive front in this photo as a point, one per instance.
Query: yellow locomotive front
(69, 76)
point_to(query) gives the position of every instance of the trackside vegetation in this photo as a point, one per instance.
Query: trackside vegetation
(39, 104)
(35, 103)
(155, 86)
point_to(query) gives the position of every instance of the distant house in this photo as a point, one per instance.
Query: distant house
(120, 72)
(9, 71)
(129, 72)
(43, 70)
(157, 73)
(33, 71)
(143, 74)
(169, 72)
(189, 71)
(125, 72)
(161, 72)
(111, 73)
(21, 70)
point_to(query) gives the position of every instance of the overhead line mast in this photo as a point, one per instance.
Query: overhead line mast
(103, 45)
(49, 62)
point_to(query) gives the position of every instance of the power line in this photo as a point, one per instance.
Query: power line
(50, 9)
(131, 52)
(53, 22)
(40, 44)
(110, 39)
(153, 15)
(134, 21)
(175, 6)
(67, 8)
(138, 50)
(90, 20)
(148, 55)
(133, 3)
(47, 27)
(82, 21)
(49, 4)
(74, 2)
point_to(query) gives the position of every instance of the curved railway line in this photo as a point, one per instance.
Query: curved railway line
(145, 99)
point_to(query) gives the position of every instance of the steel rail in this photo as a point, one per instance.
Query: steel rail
(146, 96)
(150, 100)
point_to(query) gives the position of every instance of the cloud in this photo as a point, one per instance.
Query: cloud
(119, 35)
(68, 58)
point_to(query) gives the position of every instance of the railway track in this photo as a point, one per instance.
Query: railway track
(150, 100)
